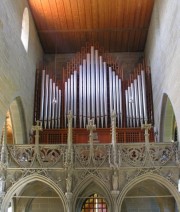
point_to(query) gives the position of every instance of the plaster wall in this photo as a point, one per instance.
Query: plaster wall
(163, 55)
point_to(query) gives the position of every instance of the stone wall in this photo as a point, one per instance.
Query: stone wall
(163, 55)
(17, 67)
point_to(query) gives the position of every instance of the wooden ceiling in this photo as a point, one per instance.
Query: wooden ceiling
(64, 26)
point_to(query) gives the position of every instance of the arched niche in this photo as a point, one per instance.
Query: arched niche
(168, 127)
(151, 186)
(148, 195)
(14, 122)
(35, 190)
(88, 187)
(18, 121)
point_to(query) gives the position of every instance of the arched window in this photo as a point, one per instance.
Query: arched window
(169, 130)
(25, 29)
(94, 203)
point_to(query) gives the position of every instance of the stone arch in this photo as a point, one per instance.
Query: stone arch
(167, 120)
(157, 178)
(18, 121)
(90, 185)
(18, 186)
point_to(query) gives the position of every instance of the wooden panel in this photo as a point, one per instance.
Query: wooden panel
(124, 135)
(118, 25)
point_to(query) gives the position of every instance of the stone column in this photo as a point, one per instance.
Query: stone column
(115, 191)
(3, 164)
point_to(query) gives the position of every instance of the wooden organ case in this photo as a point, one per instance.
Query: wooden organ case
(92, 86)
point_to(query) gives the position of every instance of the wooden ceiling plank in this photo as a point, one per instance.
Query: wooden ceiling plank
(113, 13)
(147, 12)
(47, 13)
(82, 15)
(68, 12)
(75, 14)
(36, 9)
(101, 15)
(55, 15)
(132, 13)
(88, 13)
(62, 15)
(121, 7)
(95, 14)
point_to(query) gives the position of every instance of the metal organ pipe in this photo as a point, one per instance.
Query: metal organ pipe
(130, 106)
(136, 102)
(42, 95)
(114, 90)
(50, 103)
(117, 101)
(110, 90)
(66, 103)
(144, 95)
(53, 104)
(92, 82)
(46, 101)
(133, 104)
(84, 92)
(105, 94)
(140, 99)
(88, 87)
(120, 101)
(56, 107)
(127, 107)
(59, 108)
(97, 88)
(75, 97)
(80, 95)
(101, 90)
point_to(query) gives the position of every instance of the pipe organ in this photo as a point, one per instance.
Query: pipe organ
(92, 86)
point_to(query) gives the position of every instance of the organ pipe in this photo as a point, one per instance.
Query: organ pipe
(80, 95)
(105, 95)
(93, 89)
(120, 101)
(117, 102)
(66, 104)
(136, 102)
(42, 95)
(84, 93)
(101, 90)
(75, 97)
(88, 87)
(140, 98)
(144, 95)
(97, 88)
(133, 104)
(92, 82)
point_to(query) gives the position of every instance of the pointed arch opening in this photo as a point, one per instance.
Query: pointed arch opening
(168, 125)
(148, 195)
(160, 191)
(35, 193)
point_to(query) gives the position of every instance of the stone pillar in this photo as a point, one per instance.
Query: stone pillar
(69, 196)
(115, 191)
(3, 164)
